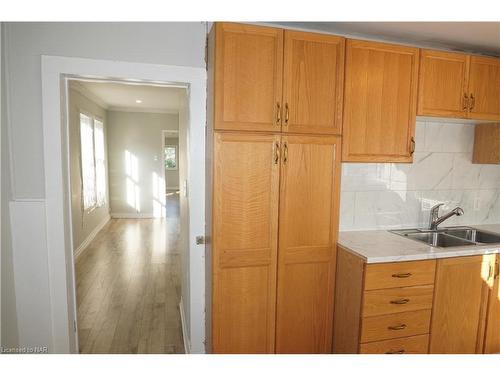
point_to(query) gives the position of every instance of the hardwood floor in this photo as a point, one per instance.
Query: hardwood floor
(128, 287)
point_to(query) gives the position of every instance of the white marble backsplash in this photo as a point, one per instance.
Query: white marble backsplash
(395, 195)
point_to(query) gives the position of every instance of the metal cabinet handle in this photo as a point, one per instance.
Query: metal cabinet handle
(287, 114)
(472, 102)
(412, 146)
(397, 328)
(497, 271)
(401, 275)
(465, 102)
(401, 301)
(276, 152)
(401, 351)
(285, 153)
(278, 114)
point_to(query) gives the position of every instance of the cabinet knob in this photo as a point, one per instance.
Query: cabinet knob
(465, 102)
(287, 114)
(412, 146)
(278, 114)
(472, 102)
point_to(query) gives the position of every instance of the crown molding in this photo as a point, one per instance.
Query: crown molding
(78, 87)
(143, 110)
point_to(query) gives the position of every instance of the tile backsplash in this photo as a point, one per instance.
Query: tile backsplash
(395, 195)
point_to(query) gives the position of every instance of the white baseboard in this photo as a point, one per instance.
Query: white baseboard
(79, 251)
(185, 338)
(127, 215)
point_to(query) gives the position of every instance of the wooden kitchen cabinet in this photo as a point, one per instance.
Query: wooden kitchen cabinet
(269, 79)
(443, 84)
(245, 240)
(460, 304)
(248, 77)
(308, 222)
(380, 101)
(492, 338)
(484, 88)
(459, 85)
(486, 144)
(313, 83)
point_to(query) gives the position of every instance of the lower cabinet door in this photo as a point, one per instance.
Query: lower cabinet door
(309, 195)
(492, 338)
(460, 300)
(245, 235)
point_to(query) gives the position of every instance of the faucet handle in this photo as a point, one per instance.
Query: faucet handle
(436, 207)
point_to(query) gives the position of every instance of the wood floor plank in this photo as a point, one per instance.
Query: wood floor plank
(128, 287)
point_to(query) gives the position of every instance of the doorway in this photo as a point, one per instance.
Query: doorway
(125, 215)
(57, 70)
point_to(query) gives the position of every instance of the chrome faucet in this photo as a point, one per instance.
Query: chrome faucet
(435, 219)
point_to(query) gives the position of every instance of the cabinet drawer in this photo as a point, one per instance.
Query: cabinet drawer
(407, 345)
(399, 274)
(396, 300)
(392, 326)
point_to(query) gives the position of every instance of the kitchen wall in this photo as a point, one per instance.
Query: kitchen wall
(9, 337)
(136, 185)
(394, 195)
(84, 223)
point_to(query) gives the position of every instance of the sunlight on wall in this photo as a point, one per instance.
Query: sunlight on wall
(132, 171)
(158, 196)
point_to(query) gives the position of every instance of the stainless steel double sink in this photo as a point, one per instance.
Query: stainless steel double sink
(451, 236)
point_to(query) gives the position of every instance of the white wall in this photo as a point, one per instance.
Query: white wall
(394, 195)
(137, 136)
(165, 43)
(8, 321)
(83, 223)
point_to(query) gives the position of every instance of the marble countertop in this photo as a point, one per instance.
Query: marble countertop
(382, 246)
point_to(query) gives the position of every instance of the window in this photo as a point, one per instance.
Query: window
(171, 157)
(93, 162)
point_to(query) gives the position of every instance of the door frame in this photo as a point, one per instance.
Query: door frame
(55, 73)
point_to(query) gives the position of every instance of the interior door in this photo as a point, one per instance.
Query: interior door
(248, 77)
(313, 83)
(460, 299)
(380, 101)
(245, 227)
(492, 340)
(309, 201)
(443, 84)
(484, 88)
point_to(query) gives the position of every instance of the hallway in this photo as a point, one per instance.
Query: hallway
(128, 287)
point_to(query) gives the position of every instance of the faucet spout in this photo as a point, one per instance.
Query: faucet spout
(435, 219)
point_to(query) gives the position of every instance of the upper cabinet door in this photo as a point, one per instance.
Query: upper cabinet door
(248, 77)
(380, 102)
(484, 88)
(308, 224)
(492, 339)
(443, 84)
(313, 83)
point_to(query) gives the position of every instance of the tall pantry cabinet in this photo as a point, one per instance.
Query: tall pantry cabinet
(273, 139)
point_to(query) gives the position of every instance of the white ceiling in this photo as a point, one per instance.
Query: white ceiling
(475, 37)
(123, 96)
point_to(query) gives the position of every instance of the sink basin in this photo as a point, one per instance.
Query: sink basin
(439, 239)
(448, 237)
(474, 235)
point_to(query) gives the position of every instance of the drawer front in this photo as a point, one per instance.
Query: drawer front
(399, 274)
(407, 345)
(393, 326)
(396, 300)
